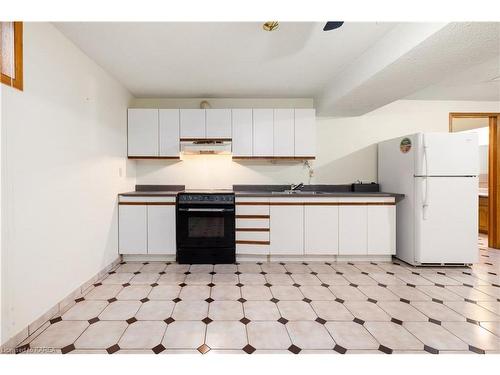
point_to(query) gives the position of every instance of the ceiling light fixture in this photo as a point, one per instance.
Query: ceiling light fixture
(270, 25)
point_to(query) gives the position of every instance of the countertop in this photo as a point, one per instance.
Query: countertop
(272, 194)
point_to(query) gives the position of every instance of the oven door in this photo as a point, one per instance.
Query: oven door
(202, 226)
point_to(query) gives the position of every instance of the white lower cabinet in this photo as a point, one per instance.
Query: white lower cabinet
(321, 230)
(133, 231)
(287, 229)
(161, 229)
(381, 223)
(146, 228)
(352, 230)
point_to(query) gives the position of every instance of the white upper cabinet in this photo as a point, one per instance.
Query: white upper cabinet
(305, 132)
(193, 123)
(142, 132)
(169, 133)
(218, 123)
(242, 132)
(263, 120)
(284, 133)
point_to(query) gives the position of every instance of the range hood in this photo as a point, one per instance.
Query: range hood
(206, 146)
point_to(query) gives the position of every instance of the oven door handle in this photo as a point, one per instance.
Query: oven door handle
(206, 209)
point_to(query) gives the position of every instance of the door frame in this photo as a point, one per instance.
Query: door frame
(493, 171)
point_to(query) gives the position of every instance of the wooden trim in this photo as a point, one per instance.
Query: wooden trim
(16, 82)
(284, 158)
(239, 242)
(252, 229)
(252, 216)
(453, 115)
(332, 203)
(155, 157)
(494, 183)
(205, 139)
(146, 203)
(252, 203)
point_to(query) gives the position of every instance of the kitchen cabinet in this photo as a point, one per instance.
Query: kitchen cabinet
(169, 133)
(287, 229)
(142, 132)
(161, 229)
(218, 123)
(192, 123)
(263, 123)
(483, 214)
(284, 133)
(381, 230)
(305, 132)
(133, 229)
(242, 132)
(353, 230)
(321, 229)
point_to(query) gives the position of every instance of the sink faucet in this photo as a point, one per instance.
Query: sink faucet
(294, 187)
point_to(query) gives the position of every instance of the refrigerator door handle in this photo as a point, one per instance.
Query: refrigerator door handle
(425, 198)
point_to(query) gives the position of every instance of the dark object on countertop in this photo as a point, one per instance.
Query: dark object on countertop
(328, 188)
(360, 187)
(160, 187)
(264, 188)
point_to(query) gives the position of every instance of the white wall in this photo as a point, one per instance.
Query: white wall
(64, 147)
(346, 147)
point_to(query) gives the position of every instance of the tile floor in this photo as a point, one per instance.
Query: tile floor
(355, 307)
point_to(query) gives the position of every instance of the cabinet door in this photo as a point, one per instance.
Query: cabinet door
(352, 230)
(193, 123)
(263, 120)
(284, 133)
(305, 132)
(321, 230)
(142, 132)
(132, 238)
(161, 229)
(169, 132)
(381, 229)
(287, 230)
(242, 132)
(218, 123)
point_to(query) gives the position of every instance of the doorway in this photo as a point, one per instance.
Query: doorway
(486, 125)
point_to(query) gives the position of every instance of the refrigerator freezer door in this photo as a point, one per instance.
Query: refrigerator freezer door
(446, 219)
(447, 154)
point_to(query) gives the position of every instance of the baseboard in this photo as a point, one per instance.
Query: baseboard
(58, 309)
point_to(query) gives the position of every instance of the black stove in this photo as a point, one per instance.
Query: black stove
(206, 227)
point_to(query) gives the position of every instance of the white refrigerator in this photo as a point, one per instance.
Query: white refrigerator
(437, 221)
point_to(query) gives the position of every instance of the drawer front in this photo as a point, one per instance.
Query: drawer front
(147, 200)
(252, 223)
(251, 209)
(252, 249)
(252, 236)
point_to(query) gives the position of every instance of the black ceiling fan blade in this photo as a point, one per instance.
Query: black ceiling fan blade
(332, 25)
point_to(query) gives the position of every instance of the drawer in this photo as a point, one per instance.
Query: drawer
(252, 209)
(252, 223)
(252, 249)
(146, 200)
(252, 236)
